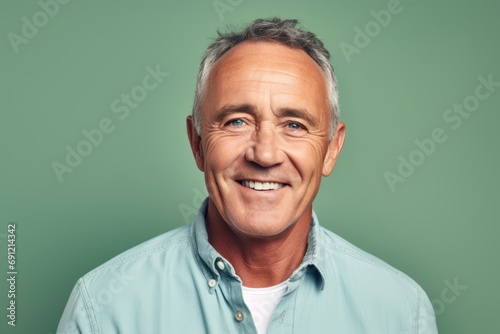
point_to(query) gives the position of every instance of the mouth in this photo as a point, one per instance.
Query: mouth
(262, 186)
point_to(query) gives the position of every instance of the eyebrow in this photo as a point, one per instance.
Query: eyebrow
(250, 108)
(234, 108)
(298, 113)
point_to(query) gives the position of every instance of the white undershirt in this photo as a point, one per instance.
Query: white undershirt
(262, 303)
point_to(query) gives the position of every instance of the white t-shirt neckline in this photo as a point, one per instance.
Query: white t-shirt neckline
(262, 303)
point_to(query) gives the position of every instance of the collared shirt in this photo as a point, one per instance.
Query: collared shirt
(178, 283)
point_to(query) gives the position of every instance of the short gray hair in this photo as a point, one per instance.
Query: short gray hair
(273, 30)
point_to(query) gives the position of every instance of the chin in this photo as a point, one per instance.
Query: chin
(260, 227)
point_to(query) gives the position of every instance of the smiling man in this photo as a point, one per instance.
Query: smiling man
(263, 142)
(264, 131)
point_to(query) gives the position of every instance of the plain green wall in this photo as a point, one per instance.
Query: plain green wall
(439, 225)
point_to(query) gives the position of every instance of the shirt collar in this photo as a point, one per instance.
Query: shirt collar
(312, 260)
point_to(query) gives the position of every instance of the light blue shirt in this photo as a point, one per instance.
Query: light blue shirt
(178, 283)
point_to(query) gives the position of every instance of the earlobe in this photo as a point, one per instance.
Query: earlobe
(334, 148)
(195, 142)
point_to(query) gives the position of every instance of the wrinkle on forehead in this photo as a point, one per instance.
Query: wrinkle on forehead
(269, 59)
(274, 68)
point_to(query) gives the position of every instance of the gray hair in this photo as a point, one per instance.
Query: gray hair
(274, 30)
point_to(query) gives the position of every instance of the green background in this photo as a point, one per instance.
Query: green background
(441, 224)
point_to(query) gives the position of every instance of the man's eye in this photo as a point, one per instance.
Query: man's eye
(236, 122)
(294, 126)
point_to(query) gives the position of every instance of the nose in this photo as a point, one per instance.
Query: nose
(265, 149)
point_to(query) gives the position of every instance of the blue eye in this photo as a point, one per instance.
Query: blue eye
(236, 122)
(294, 126)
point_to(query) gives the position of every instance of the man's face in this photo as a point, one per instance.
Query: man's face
(264, 137)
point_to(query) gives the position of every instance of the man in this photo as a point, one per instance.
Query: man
(264, 130)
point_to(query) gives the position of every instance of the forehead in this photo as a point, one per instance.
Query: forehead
(267, 67)
(266, 55)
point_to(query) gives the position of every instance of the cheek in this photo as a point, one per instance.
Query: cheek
(220, 151)
(307, 156)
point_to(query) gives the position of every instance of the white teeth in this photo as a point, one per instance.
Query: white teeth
(262, 185)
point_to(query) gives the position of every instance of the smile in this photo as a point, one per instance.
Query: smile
(256, 185)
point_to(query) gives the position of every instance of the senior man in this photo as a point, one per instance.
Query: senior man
(264, 130)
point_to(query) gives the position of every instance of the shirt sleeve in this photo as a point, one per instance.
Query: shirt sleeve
(78, 316)
(425, 321)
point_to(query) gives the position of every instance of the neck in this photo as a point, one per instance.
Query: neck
(258, 261)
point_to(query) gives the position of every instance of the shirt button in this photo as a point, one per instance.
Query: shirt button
(221, 265)
(238, 315)
(212, 283)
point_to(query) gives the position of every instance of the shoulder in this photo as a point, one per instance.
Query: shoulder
(358, 264)
(364, 287)
(144, 258)
(372, 285)
(110, 293)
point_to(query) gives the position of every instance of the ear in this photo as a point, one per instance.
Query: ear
(195, 142)
(334, 148)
